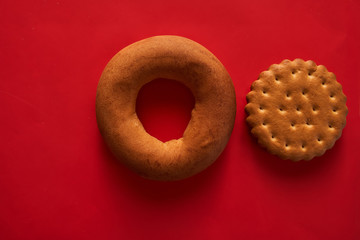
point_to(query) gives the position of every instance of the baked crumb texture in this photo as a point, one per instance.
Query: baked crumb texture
(296, 109)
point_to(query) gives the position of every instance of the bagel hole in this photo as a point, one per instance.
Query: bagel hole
(164, 108)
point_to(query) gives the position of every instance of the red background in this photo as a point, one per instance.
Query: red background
(58, 180)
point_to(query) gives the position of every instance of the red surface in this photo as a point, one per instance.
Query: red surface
(59, 181)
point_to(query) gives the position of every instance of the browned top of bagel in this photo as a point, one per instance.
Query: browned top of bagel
(212, 118)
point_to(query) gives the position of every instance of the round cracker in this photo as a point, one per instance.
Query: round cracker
(296, 109)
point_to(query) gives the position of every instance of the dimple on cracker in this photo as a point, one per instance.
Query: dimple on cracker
(296, 109)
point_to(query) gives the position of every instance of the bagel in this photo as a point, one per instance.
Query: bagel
(212, 119)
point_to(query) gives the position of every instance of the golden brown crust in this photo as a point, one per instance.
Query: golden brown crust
(212, 118)
(296, 109)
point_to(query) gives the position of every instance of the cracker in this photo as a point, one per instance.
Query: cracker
(296, 109)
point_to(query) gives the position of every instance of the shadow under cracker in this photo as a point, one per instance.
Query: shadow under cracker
(287, 169)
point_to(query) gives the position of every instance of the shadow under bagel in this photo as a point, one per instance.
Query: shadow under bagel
(159, 192)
